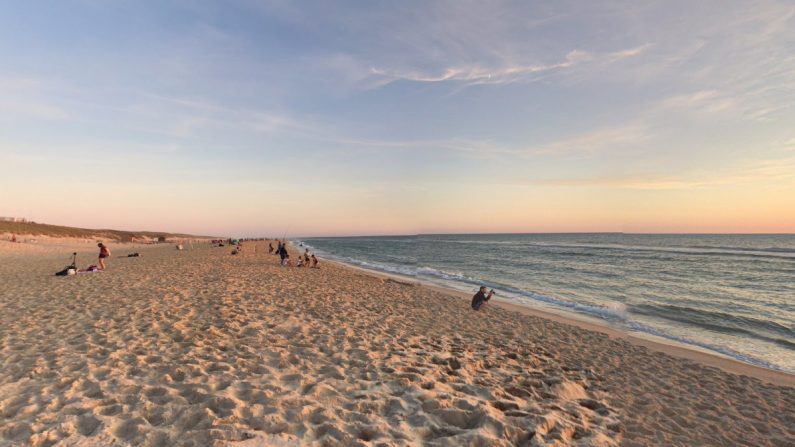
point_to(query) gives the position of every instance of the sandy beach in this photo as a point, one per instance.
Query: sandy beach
(199, 347)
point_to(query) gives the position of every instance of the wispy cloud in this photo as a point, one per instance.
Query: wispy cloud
(189, 117)
(704, 101)
(506, 73)
(629, 52)
(606, 139)
(475, 74)
(597, 140)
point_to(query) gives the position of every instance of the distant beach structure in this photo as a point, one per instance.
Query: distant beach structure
(13, 219)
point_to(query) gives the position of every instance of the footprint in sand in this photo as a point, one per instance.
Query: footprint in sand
(128, 429)
(221, 406)
(87, 424)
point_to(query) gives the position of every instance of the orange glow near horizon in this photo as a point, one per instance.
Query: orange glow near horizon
(440, 209)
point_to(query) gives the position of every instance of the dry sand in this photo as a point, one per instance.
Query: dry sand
(200, 347)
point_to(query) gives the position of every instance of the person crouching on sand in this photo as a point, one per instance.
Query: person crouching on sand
(104, 252)
(481, 298)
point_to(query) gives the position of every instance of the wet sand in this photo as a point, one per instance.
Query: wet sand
(199, 347)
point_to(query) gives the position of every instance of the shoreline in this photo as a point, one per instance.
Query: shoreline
(659, 344)
(201, 347)
(680, 350)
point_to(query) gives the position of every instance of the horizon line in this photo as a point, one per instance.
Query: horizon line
(558, 232)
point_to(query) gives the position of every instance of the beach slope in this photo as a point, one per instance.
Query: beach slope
(200, 347)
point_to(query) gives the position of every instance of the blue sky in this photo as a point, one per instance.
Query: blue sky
(248, 117)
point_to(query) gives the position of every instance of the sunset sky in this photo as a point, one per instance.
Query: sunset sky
(341, 118)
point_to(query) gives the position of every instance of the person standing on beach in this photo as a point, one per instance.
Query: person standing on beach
(270, 248)
(314, 262)
(481, 298)
(104, 252)
(282, 250)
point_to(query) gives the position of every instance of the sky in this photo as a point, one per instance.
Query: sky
(259, 118)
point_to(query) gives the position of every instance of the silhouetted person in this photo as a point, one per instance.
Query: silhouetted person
(481, 298)
(103, 253)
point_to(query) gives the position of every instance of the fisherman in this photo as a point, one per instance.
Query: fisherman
(282, 250)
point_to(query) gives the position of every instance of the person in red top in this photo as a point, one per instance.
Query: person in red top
(104, 252)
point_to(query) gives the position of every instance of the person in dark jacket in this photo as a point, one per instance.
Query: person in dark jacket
(282, 250)
(481, 298)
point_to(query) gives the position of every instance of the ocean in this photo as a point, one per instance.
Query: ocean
(730, 294)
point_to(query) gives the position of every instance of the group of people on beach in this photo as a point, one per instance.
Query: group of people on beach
(71, 269)
(480, 298)
(305, 260)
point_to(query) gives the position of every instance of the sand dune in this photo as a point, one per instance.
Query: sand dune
(199, 347)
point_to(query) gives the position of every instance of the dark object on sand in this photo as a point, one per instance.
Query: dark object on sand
(134, 255)
(481, 298)
(72, 266)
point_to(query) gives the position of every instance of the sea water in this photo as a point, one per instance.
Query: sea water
(730, 294)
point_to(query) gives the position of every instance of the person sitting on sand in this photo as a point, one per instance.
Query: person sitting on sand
(300, 262)
(104, 252)
(314, 262)
(481, 298)
(287, 261)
